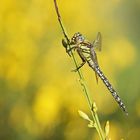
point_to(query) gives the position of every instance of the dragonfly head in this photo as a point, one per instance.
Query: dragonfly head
(77, 38)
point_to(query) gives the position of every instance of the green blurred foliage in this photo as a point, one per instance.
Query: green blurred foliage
(39, 95)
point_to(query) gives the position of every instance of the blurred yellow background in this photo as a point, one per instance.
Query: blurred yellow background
(40, 96)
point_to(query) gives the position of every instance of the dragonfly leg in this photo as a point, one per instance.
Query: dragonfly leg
(72, 48)
(67, 47)
(65, 44)
(75, 70)
(83, 60)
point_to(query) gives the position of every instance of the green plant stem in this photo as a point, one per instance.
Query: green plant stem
(82, 82)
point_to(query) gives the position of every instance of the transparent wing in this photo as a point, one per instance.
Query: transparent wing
(97, 43)
(96, 76)
(94, 58)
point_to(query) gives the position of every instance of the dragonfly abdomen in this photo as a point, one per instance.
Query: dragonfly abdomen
(110, 88)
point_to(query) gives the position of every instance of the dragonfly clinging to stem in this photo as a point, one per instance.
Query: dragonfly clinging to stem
(86, 51)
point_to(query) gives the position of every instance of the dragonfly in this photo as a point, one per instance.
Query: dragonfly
(86, 51)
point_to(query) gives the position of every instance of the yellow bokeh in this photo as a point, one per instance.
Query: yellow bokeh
(123, 53)
(46, 106)
(40, 96)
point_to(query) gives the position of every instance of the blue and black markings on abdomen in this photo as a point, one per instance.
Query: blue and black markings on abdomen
(110, 88)
(95, 67)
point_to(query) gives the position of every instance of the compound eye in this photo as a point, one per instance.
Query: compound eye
(81, 38)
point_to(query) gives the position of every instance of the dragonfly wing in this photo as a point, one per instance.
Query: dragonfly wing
(97, 43)
(95, 61)
(96, 76)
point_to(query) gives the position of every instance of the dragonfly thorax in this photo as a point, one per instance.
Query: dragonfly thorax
(77, 38)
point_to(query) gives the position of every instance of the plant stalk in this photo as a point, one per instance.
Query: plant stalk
(82, 82)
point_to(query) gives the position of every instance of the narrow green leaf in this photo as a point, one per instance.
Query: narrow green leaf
(94, 107)
(84, 115)
(107, 129)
